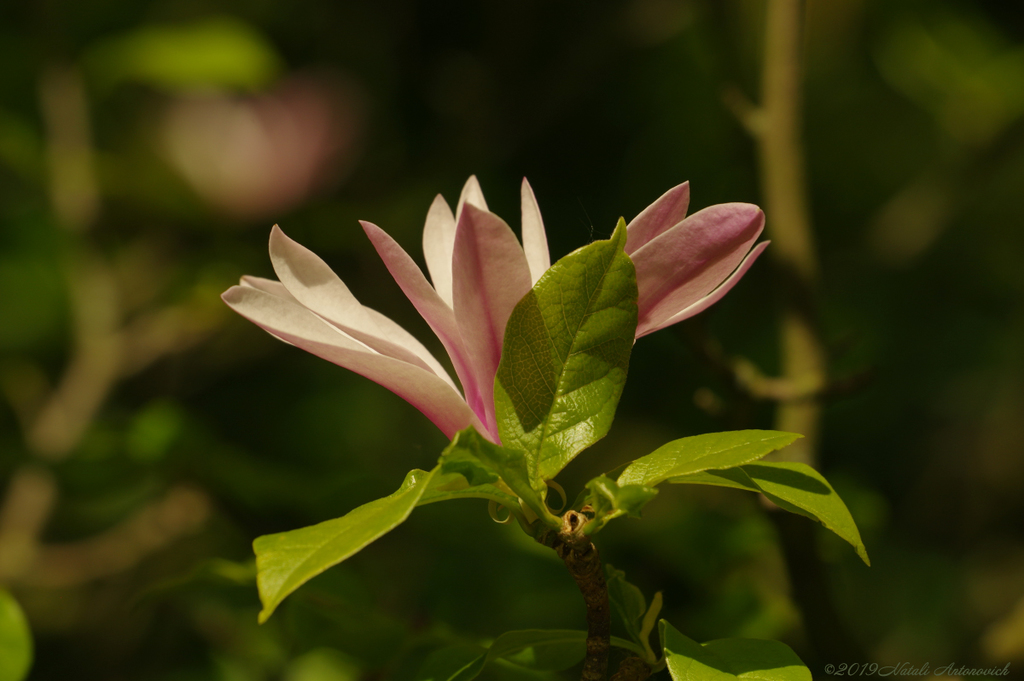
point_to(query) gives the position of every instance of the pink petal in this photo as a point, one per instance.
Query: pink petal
(314, 285)
(438, 242)
(535, 241)
(490, 275)
(471, 194)
(391, 331)
(295, 324)
(433, 309)
(685, 263)
(396, 334)
(707, 301)
(269, 285)
(665, 213)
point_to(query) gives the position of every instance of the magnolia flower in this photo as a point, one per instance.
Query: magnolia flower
(479, 272)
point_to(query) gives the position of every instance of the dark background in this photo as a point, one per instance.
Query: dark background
(148, 434)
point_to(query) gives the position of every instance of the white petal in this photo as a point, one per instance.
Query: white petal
(438, 242)
(431, 307)
(396, 334)
(535, 241)
(269, 285)
(315, 285)
(297, 325)
(471, 194)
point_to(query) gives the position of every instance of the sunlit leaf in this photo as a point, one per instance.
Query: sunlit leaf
(15, 640)
(566, 354)
(448, 486)
(795, 487)
(704, 452)
(729, 659)
(610, 500)
(481, 462)
(287, 560)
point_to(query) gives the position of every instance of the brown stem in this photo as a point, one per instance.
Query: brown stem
(632, 669)
(581, 558)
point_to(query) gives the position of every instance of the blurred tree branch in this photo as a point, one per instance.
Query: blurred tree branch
(105, 348)
(775, 125)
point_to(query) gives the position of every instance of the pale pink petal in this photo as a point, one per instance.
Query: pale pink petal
(665, 213)
(471, 194)
(308, 278)
(269, 285)
(652, 325)
(438, 242)
(315, 285)
(684, 264)
(490, 276)
(535, 241)
(432, 308)
(295, 324)
(409, 349)
(400, 336)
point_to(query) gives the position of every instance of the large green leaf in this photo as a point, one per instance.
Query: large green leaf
(15, 640)
(536, 649)
(482, 462)
(729, 659)
(566, 354)
(287, 560)
(795, 487)
(610, 500)
(703, 452)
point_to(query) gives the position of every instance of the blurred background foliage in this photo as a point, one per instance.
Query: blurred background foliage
(147, 435)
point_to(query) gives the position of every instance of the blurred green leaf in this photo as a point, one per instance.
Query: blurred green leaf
(704, 452)
(961, 69)
(729, 659)
(795, 487)
(627, 600)
(611, 500)
(566, 355)
(220, 52)
(15, 640)
(536, 649)
(481, 462)
(322, 664)
(153, 431)
(287, 560)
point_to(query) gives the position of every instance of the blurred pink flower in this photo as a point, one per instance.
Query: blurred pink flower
(479, 272)
(259, 155)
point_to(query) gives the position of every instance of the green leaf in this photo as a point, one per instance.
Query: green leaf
(795, 487)
(626, 600)
(610, 500)
(704, 452)
(287, 560)
(217, 52)
(729, 659)
(15, 640)
(566, 354)
(536, 649)
(448, 486)
(480, 460)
